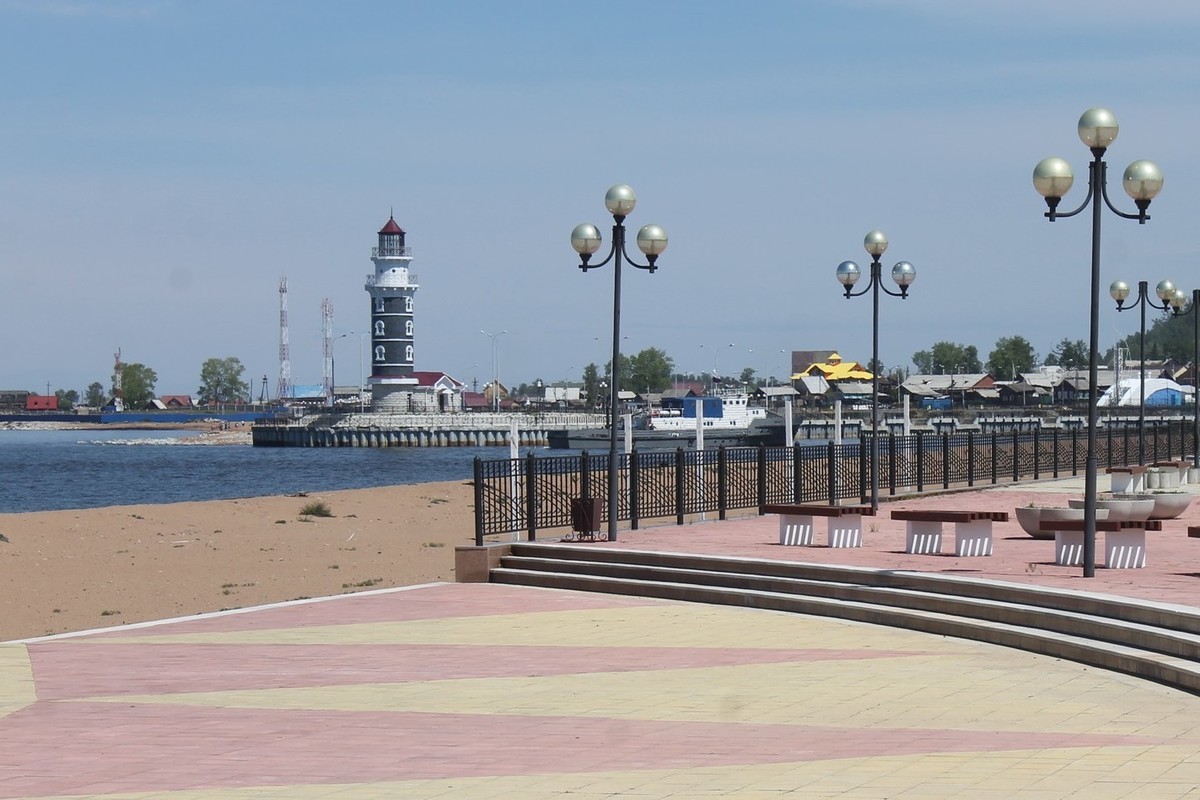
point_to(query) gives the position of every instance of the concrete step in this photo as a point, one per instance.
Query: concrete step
(1147, 640)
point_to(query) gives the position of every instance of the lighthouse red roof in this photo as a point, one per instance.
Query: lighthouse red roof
(391, 227)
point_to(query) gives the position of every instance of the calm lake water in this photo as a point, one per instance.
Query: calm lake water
(49, 470)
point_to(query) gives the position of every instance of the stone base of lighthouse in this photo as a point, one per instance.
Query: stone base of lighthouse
(392, 395)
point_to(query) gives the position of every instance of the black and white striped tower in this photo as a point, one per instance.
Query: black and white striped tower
(392, 287)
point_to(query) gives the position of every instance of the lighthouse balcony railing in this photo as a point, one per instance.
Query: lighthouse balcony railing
(411, 281)
(391, 252)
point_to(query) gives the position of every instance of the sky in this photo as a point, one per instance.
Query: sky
(166, 162)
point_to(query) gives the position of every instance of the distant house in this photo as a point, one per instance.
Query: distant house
(834, 369)
(41, 402)
(963, 389)
(437, 391)
(176, 401)
(1160, 393)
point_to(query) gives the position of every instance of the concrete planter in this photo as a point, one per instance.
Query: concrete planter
(1130, 506)
(1033, 518)
(1169, 505)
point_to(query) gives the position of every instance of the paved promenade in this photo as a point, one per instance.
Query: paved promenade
(488, 691)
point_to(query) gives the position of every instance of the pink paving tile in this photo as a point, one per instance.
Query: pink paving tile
(431, 602)
(137, 748)
(69, 669)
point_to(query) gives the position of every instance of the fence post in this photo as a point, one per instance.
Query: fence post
(531, 496)
(920, 461)
(679, 467)
(797, 476)
(892, 462)
(945, 461)
(585, 480)
(995, 458)
(1054, 445)
(722, 482)
(970, 458)
(635, 489)
(762, 479)
(478, 487)
(1037, 453)
(863, 460)
(831, 472)
(1016, 456)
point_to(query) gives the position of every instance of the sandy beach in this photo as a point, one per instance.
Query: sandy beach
(92, 568)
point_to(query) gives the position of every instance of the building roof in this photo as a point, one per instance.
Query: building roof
(428, 378)
(854, 388)
(835, 369)
(391, 227)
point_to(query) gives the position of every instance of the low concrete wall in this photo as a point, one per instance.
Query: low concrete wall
(474, 564)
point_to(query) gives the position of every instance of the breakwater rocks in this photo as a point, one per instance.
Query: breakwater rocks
(376, 437)
(414, 430)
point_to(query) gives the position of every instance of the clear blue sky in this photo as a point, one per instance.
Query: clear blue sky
(165, 162)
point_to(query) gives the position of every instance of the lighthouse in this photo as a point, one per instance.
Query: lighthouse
(392, 287)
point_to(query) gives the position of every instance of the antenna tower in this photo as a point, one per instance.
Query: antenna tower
(118, 391)
(327, 342)
(284, 389)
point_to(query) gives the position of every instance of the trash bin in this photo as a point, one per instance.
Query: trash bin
(585, 515)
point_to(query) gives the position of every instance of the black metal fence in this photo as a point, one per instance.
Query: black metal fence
(536, 492)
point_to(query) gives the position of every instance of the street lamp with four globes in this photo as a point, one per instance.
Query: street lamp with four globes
(1052, 178)
(652, 241)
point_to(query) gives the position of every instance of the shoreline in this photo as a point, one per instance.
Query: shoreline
(80, 569)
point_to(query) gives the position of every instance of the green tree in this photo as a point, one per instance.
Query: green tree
(67, 398)
(95, 397)
(948, 357)
(651, 370)
(1012, 355)
(137, 385)
(648, 371)
(747, 377)
(591, 385)
(221, 381)
(1072, 354)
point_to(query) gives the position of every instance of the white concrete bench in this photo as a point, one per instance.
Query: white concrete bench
(1124, 541)
(972, 530)
(796, 523)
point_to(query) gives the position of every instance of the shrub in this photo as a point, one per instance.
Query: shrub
(317, 508)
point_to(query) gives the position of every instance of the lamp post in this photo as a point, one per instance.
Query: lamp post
(652, 241)
(495, 370)
(903, 273)
(333, 366)
(1052, 178)
(362, 398)
(1177, 304)
(1119, 290)
(604, 400)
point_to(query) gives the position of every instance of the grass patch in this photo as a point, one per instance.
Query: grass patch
(107, 613)
(281, 522)
(363, 584)
(435, 544)
(317, 508)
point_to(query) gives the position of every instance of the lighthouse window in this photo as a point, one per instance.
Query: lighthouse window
(408, 353)
(408, 304)
(408, 328)
(379, 353)
(379, 304)
(379, 327)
